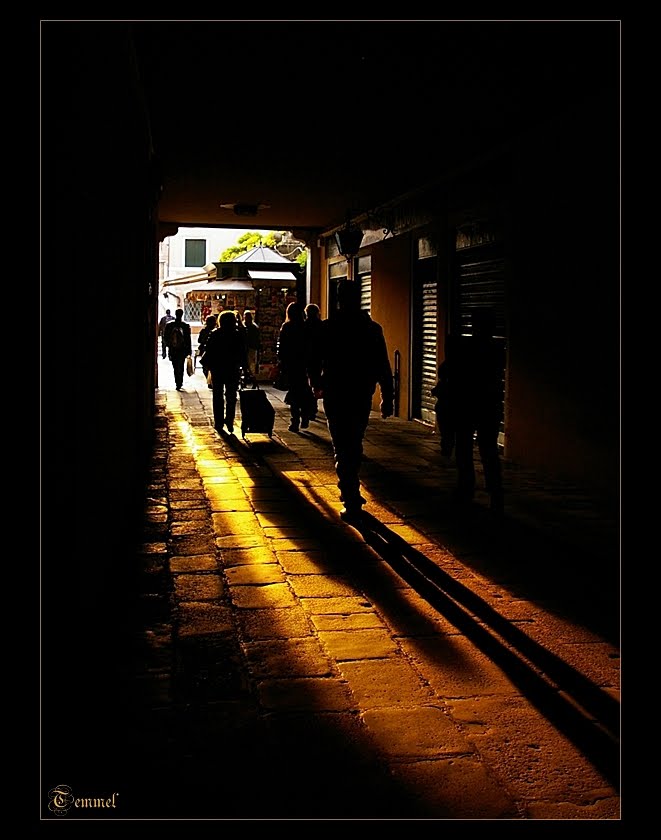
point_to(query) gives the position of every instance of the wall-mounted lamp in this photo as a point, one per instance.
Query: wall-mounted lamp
(349, 240)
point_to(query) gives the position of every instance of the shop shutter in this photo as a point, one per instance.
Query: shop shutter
(424, 356)
(366, 292)
(481, 284)
(429, 369)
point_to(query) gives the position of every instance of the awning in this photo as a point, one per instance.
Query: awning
(285, 277)
(201, 283)
(185, 280)
(222, 286)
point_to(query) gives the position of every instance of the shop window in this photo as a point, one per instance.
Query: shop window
(331, 248)
(364, 264)
(192, 311)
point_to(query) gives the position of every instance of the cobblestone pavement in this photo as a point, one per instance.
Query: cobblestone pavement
(435, 664)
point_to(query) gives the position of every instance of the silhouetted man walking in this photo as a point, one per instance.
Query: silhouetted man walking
(475, 370)
(161, 329)
(352, 360)
(178, 341)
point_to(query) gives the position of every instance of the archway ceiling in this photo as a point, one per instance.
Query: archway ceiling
(310, 120)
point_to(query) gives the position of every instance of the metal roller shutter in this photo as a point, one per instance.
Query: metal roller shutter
(429, 364)
(481, 284)
(424, 356)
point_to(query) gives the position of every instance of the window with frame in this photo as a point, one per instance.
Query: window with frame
(195, 254)
(336, 271)
(363, 270)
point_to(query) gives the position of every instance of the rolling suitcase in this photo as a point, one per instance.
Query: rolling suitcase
(257, 413)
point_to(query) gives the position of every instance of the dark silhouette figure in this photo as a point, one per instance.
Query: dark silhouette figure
(161, 329)
(240, 326)
(353, 359)
(209, 326)
(291, 353)
(252, 343)
(444, 417)
(475, 371)
(313, 344)
(224, 356)
(177, 337)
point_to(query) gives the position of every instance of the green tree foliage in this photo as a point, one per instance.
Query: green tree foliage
(249, 240)
(270, 239)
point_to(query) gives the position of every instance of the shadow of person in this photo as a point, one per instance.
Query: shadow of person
(565, 695)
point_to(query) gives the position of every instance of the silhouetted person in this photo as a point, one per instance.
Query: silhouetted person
(475, 366)
(161, 329)
(353, 359)
(252, 342)
(313, 344)
(291, 353)
(178, 341)
(209, 326)
(224, 356)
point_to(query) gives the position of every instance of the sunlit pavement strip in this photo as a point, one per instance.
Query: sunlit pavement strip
(326, 625)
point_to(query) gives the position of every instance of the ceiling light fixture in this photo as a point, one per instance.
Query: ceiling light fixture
(244, 208)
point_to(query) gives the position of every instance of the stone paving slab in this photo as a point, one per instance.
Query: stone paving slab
(252, 574)
(230, 541)
(525, 750)
(250, 555)
(263, 597)
(421, 732)
(320, 586)
(336, 606)
(305, 563)
(354, 644)
(193, 563)
(458, 788)
(313, 693)
(389, 682)
(278, 658)
(355, 621)
(199, 619)
(455, 668)
(279, 623)
(199, 587)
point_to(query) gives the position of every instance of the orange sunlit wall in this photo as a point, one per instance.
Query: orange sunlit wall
(391, 306)
(563, 388)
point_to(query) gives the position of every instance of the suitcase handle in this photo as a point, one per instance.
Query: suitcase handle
(246, 378)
